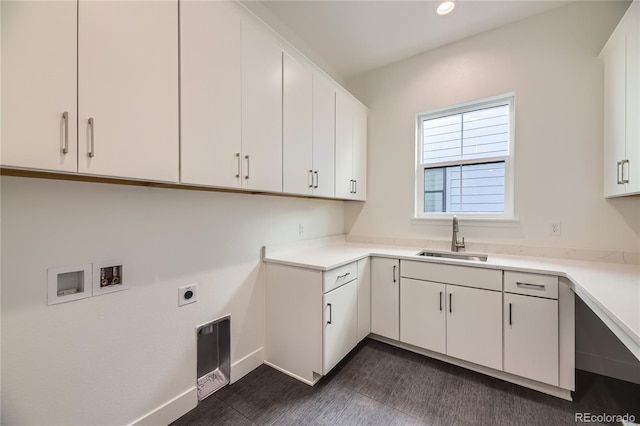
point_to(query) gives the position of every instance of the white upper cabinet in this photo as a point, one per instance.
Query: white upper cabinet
(297, 115)
(344, 146)
(195, 92)
(632, 146)
(210, 81)
(621, 56)
(261, 110)
(351, 148)
(308, 131)
(128, 89)
(39, 105)
(324, 113)
(360, 151)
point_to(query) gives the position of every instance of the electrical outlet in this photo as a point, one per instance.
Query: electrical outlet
(555, 229)
(187, 294)
(300, 230)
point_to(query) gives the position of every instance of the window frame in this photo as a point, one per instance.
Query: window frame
(509, 160)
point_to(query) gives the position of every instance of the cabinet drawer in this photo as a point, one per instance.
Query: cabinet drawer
(490, 279)
(531, 284)
(338, 276)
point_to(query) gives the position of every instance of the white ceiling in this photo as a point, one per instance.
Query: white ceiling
(357, 36)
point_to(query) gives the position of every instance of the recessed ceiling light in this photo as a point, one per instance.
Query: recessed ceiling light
(445, 7)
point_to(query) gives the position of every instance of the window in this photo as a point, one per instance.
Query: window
(465, 160)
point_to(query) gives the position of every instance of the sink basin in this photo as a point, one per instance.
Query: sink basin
(458, 256)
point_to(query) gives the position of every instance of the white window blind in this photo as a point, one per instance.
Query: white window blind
(464, 159)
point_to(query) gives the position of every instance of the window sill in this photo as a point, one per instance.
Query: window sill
(470, 221)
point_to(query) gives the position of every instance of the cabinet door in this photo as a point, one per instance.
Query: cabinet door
(614, 112)
(261, 111)
(364, 298)
(632, 146)
(360, 151)
(297, 132)
(385, 297)
(39, 54)
(531, 337)
(210, 79)
(474, 325)
(340, 323)
(324, 111)
(128, 86)
(422, 317)
(344, 146)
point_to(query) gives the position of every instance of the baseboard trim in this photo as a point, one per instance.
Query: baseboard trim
(608, 367)
(188, 400)
(527, 383)
(244, 366)
(288, 373)
(170, 411)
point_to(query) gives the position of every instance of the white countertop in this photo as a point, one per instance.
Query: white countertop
(612, 291)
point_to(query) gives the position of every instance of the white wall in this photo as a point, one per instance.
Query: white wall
(113, 358)
(550, 61)
(259, 10)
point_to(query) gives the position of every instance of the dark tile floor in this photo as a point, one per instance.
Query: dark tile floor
(378, 384)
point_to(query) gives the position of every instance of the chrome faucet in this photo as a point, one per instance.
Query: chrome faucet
(455, 245)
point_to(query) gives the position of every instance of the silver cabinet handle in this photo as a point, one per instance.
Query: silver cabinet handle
(339, 277)
(330, 315)
(509, 313)
(618, 173)
(450, 302)
(238, 158)
(92, 151)
(65, 118)
(394, 273)
(246, 157)
(317, 179)
(540, 286)
(622, 163)
(311, 176)
(440, 300)
(355, 186)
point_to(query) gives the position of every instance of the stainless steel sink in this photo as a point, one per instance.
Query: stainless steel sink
(458, 256)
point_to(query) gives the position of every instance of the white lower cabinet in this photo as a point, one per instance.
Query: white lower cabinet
(422, 314)
(340, 324)
(531, 337)
(474, 325)
(462, 322)
(531, 327)
(364, 298)
(518, 326)
(385, 297)
(313, 318)
(454, 310)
